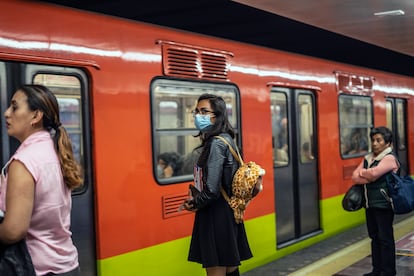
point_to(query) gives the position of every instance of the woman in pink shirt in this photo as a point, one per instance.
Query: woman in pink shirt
(37, 181)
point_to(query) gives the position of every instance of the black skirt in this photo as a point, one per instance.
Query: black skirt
(217, 240)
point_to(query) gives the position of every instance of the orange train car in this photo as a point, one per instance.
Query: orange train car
(126, 91)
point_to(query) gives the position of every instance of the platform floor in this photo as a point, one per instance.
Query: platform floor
(346, 254)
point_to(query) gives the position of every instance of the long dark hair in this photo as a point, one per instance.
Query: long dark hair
(221, 125)
(41, 98)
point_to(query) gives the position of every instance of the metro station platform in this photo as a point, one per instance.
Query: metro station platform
(346, 254)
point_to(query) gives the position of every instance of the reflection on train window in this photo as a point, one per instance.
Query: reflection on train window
(67, 90)
(173, 125)
(355, 122)
(280, 128)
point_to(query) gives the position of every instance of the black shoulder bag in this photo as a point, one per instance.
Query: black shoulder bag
(15, 259)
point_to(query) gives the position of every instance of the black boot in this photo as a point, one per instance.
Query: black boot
(234, 273)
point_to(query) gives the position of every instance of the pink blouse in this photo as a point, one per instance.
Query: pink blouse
(48, 238)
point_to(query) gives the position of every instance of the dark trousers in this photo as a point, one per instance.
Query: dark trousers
(380, 230)
(75, 272)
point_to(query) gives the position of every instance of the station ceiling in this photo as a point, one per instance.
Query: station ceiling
(341, 30)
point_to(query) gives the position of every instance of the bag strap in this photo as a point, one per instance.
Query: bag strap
(237, 156)
(235, 153)
(400, 168)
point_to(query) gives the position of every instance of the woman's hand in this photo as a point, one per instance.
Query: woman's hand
(189, 205)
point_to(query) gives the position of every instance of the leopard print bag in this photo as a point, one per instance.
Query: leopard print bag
(247, 183)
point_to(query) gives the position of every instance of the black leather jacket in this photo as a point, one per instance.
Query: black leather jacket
(220, 168)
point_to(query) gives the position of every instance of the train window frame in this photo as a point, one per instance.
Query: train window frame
(4, 137)
(401, 112)
(74, 130)
(306, 115)
(178, 135)
(357, 129)
(389, 110)
(279, 109)
(399, 109)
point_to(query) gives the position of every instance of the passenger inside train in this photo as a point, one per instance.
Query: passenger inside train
(358, 141)
(306, 154)
(169, 164)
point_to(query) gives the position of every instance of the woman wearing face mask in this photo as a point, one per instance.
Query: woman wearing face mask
(372, 172)
(218, 242)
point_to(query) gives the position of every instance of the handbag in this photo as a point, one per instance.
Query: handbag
(354, 198)
(15, 259)
(400, 193)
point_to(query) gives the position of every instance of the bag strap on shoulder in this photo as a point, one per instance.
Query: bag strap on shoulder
(398, 163)
(237, 156)
(235, 153)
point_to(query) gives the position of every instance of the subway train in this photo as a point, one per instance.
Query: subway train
(126, 92)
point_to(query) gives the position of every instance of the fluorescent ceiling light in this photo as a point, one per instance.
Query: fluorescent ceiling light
(391, 13)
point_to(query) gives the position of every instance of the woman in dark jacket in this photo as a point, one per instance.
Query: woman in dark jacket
(218, 242)
(372, 172)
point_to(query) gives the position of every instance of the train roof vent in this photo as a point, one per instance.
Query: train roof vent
(213, 66)
(187, 61)
(171, 203)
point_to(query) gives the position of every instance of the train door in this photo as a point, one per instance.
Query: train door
(295, 164)
(70, 88)
(396, 121)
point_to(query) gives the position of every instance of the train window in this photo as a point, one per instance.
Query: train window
(173, 125)
(389, 114)
(355, 121)
(67, 90)
(400, 121)
(4, 138)
(305, 113)
(400, 125)
(278, 109)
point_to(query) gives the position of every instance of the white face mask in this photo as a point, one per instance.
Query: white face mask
(160, 170)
